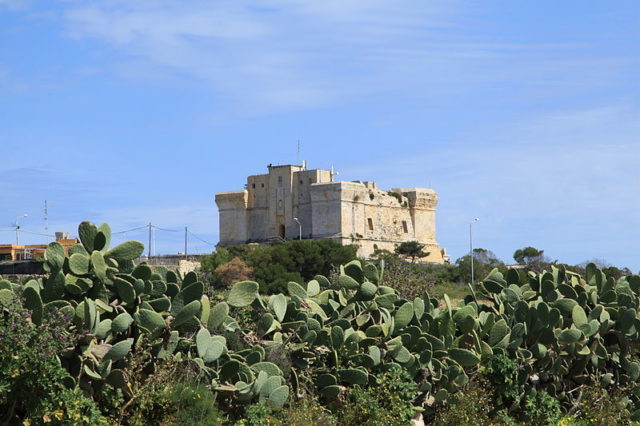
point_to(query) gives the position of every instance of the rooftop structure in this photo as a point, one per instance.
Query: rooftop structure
(33, 251)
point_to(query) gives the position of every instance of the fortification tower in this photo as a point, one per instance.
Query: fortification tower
(349, 212)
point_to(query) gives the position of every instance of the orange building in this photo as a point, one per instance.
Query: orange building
(34, 251)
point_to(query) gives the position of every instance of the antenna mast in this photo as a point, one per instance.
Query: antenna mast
(333, 173)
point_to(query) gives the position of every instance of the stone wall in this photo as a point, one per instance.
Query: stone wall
(349, 212)
(173, 262)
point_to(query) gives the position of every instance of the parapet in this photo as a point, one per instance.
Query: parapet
(422, 198)
(232, 200)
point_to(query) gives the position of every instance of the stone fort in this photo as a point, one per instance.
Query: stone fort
(290, 202)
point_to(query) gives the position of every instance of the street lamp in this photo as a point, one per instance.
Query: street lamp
(18, 227)
(471, 246)
(299, 227)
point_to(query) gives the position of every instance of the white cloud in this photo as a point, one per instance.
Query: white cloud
(282, 54)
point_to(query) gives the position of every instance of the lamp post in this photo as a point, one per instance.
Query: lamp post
(471, 246)
(18, 227)
(299, 228)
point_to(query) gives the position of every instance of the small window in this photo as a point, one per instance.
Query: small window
(310, 181)
(375, 247)
(301, 182)
(253, 185)
(370, 223)
(279, 179)
(404, 226)
(281, 231)
(262, 185)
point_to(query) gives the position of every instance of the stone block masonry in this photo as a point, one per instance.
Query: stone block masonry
(349, 212)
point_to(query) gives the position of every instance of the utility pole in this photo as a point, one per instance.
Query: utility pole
(18, 227)
(185, 242)
(149, 250)
(471, 247)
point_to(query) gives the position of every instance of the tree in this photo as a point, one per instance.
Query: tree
(483, 262)
(532, 258)
(411, 249)
(389, 257)
(527, 255)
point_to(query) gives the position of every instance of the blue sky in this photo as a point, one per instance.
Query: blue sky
(525, 114)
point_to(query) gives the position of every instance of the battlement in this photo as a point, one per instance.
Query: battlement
(232, 200)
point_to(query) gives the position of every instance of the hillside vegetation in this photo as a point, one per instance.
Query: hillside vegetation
(101, 341)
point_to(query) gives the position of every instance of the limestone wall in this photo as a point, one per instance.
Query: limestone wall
(233, 216)
(350, 212)
(326, 212)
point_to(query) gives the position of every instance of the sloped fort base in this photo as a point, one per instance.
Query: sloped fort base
(348, 212)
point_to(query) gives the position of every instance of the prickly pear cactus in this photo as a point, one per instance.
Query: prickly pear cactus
(565, 329)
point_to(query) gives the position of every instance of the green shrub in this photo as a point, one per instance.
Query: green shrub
(275, 266)
(210, 262)
(387, 402)
(411, 280)
(502, 373)
(155, 336)
(257, 415)
(473, 406)
(193, 404)
(541, 409)
(604, 406)
(307, 411)
(33, 385)
(506, 382)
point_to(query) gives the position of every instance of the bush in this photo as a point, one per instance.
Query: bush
(472, 406)
(233, 271)
(541, 409)
(33, 385)
(307, 411)
(194, 404)
(411, 280)
(275, 266)
(408, 279)
(555, 332)
(602, 406)
(512, 398)
(502, 373)
(387, 402)
(210, 262)
(257, 415)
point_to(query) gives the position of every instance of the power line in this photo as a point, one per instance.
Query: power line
(36, 233)
(206, 242)
(149, 227)
(163, 229)
(130, 230)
